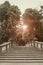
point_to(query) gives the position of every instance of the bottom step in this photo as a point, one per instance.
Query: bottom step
(19, 60)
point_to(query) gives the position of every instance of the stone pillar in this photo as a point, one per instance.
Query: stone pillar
(34, 43)
(41, 46)
(37, 44)
(6, 47)
(0, 49)
(31, 43)
(9, 45)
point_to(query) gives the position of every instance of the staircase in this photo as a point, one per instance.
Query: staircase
(22, 54)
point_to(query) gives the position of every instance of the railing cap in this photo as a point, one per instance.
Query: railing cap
(5, 43)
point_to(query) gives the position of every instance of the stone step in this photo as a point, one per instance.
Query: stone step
(22, 54)
(29, 60)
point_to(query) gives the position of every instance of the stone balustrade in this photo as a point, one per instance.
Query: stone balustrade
(6, 44)
(37, 44)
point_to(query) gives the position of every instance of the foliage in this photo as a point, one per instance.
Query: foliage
(32, 14)
(9, 17)
(32, 18)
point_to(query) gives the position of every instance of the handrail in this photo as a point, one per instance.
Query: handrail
(37, 42)
(4, 44)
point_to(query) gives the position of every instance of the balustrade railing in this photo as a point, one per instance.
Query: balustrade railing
(37, 44)
(7, 45)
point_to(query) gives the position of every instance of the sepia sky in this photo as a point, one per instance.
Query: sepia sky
(23, 4)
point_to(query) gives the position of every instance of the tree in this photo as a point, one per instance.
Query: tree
(9, 18)
(32, 17)
(3, 10)
(41, 21)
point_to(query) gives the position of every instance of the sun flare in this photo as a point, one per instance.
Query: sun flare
(24, 27)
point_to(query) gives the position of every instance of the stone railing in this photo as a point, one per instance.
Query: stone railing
(37, 44)
(7, 45)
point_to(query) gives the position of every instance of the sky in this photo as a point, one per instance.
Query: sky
(23, 4)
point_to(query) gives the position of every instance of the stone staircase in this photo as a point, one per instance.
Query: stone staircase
(22, 54)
